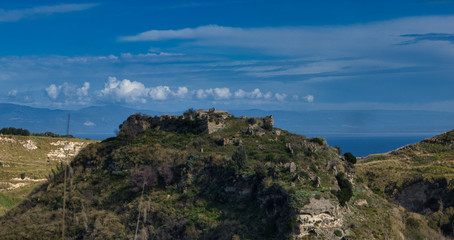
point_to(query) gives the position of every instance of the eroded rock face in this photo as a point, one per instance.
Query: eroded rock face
(423, 197)
(320, 216)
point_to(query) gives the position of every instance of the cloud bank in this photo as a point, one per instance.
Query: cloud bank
(19, 14)
(127, 91)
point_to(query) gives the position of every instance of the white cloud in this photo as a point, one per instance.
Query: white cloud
(256, 93)
(150, 54)
(83, 91)
(295, 97)
(280, 97)
(53, 91)
(18, 14)
(181, 92)
(216, 93)
(159, 92)
(13, 93)
(240, 93)
(201, 94)
(222, 93)
(87, 59)
(68, 92)
(186, 33)
(357, 40)
(309, 98)
(124, 90)
(133, 91)
(89, 123)
(268, 95)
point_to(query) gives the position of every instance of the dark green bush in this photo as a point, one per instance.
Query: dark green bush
(338, 233)
(346, 189)
(317, 140)
(14, 131)
(349, 157)
(239, 157)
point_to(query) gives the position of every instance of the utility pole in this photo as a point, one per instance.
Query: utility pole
(67, 128)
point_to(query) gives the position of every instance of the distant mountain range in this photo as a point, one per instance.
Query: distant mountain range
(100, 122)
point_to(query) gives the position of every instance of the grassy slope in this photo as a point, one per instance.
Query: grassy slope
(16, 159)
(428, 160)
(431, 160)
(193, 201)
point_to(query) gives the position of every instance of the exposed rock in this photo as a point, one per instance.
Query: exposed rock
(29, 144)
(289, 148)
(292, 167)
(361, 202)
(6, 139)
(268, 122)
(423, 197)
(68, 149)
(321, 216)
(317, 182)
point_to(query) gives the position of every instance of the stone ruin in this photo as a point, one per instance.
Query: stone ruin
(196, 122)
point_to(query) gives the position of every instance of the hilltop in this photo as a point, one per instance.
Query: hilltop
(208, 175)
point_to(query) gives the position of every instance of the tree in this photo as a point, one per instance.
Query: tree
(349, 157)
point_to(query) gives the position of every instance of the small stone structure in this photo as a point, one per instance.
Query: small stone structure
(197, 122)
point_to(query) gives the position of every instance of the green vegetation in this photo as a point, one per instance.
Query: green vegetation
(14, 131)
(427, 167)
(235, 183)
(346, 189)
(25, 164)
(349, 157)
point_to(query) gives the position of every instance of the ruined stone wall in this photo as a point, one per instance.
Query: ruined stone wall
(198, 122)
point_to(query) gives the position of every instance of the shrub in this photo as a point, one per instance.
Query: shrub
(317, 140)
(338, 233)
(260, 170)
(349, 157)
(15, 131)
(346, 189)
(143, 178)
(251, 121)
(22, 176)
(166, 174)
(239, 157)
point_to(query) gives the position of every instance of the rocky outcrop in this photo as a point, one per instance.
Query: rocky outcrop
(67, 149)
(320, 216)
(425, 197)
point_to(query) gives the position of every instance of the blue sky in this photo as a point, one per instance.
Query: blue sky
(286, 55)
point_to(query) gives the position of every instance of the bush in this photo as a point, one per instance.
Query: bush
(260, 171)
(143, 178)
(22, 176)
(349, 157)
(317, 140)
(346, 189)
(338, 233)
(239, 157)
(15, 131)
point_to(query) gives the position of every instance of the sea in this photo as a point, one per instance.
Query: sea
(362, 146)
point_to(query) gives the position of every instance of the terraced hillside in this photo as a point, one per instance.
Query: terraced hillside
(26, 162)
